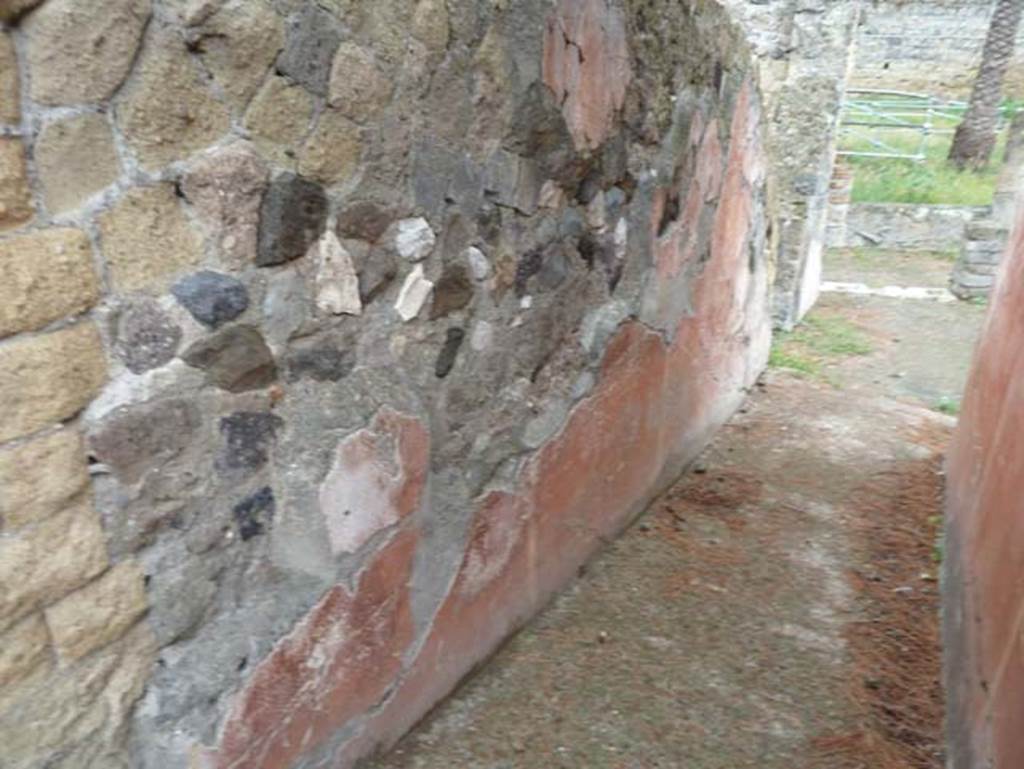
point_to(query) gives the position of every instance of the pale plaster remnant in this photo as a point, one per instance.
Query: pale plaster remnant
(337, 284)
(414, 294)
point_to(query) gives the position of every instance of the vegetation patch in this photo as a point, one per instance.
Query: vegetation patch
(819, 341)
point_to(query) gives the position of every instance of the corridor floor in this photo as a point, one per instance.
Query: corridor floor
(776, 607)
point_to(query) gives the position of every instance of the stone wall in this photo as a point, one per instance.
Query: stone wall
(805, 49)
(898, 41)
(977, 262)
(983, 612)
(906, 226)
(335, 336)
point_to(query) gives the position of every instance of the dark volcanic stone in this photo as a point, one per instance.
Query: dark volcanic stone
(446, 358)
(323, 363)
(247, 438)
(211, 297)
(253, 512)
(293, 215)
(235, 359)
(453, 291)
(146, 336)
(312, 39)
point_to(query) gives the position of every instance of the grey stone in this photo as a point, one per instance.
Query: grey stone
(134, 439)
(247, 437)
(147, 337)
(377, 267)
(293, 215)
(212, 297)
(478, 264)
(254, 513)
(543, 426)
(600, 323)
(449, 351)
(322, 363)
(235, 359)
(287, 305)
(312, 38)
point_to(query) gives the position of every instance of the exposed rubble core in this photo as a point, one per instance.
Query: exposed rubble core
(339, 335)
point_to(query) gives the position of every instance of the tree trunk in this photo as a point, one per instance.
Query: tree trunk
(975, 137)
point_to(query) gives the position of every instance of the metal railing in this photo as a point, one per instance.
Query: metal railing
(868, 113)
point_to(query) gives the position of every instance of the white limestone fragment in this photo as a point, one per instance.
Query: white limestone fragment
(479, 266)
(413, 295)
(337, 284)
(414, 239)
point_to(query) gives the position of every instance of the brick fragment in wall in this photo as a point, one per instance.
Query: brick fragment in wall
(48, 275)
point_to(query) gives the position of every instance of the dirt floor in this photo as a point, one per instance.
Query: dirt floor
(776, 607)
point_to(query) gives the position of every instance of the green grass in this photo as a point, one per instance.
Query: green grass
(816, 343)
(949, 406)
(930, 181)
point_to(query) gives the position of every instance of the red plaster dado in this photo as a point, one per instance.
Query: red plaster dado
(336, 664)
(586, 66)
(340, 659)
(655, 405)
(985, 511)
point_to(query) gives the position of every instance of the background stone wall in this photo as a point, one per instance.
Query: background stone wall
(927, 46)
(983, 611)
(334, 337)
(907, 226)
